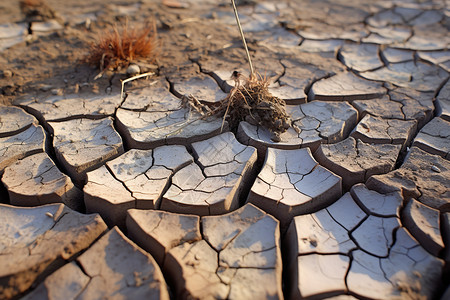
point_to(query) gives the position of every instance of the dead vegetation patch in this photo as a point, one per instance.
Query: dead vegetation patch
(252, 102)
(249, 100)
(117, 48)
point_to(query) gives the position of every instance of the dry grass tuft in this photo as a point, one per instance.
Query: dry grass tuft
(252, 102)
(117, 48)
(249, 101)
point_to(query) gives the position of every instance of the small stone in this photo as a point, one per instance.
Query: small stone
(133, 69)
(7, 73)
(57, 92)
(276, 137)
(435, 169)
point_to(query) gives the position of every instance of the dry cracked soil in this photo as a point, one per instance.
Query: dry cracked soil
(136, 196)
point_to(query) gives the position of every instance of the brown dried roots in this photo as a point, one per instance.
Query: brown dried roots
(252, 102)
(116, 49)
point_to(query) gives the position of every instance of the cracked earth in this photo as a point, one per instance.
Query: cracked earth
(140, 198)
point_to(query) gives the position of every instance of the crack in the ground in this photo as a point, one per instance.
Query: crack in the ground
(121, 182)
(51, 150)
(56, 218)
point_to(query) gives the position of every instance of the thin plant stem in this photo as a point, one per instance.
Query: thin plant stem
(243, 39)
(133, 78)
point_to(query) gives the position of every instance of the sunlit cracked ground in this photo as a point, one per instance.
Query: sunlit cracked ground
(140, 198)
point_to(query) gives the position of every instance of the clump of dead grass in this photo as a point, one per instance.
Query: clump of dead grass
(252, 102)
(117, 48)
(249, 100)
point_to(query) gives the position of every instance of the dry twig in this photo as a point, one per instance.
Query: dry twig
(243, 39)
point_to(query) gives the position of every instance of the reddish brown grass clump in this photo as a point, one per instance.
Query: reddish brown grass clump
(117, 48)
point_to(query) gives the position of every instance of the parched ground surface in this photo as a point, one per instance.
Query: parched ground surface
(140, 198)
